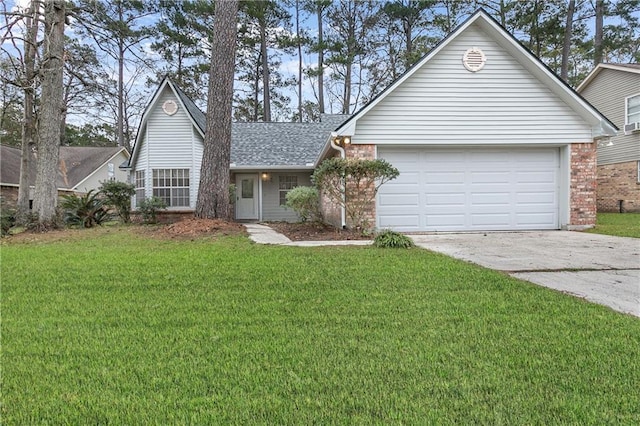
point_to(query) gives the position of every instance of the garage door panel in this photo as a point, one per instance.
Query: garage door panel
(531, 198)
(401, 200)
(445, 199)
(483, 220)
(490, 198)
(406, 222)
(492, 177)
(471, 189)
(537, 177)
(447, 177)
(435, 222)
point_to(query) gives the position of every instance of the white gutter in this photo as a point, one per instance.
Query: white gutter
(343, 155)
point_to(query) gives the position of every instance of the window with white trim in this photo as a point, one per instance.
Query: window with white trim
(140, 186)
(632, 111)
(286, 184)
(172, 186)
(638, 175)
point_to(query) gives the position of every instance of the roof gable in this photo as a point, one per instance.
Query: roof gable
(196, 116)
(76, 164)
(601, 126)
(626, 68)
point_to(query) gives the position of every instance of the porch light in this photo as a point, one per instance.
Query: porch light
(265, 176)
(347, 140)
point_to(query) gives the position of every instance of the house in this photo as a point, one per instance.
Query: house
(485, 136)
(267, 159)
(615, 90)
(80, 170)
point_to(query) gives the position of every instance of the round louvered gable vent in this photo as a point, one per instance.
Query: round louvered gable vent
(170, 107)
(474, 59)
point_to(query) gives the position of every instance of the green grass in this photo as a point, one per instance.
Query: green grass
(120, 329)
(619, 224)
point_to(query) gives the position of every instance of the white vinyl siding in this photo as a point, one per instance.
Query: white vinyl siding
(172, 186)
(170, 142)
(607, 92)
(470, 189)
(443, 103)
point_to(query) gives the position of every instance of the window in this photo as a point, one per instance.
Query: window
(287, 183)
(633, 109)
(140, 186)
(172, 186)
(638, 175)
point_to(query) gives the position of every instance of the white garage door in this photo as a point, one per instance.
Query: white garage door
(472, 189)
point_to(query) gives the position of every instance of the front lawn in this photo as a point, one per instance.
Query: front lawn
(124, 329)
(619, 224)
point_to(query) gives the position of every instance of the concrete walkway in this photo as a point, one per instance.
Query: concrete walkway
(598, 268)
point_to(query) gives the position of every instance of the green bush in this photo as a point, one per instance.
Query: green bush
(7, 220)
(353, 184)
(150, 207)
(305, 201)
(392, 239)
(118, 196)
(85, 210)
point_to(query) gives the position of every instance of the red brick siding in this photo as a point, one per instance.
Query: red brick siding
(9, 196)
(583, 185)
(618, 182)
(364, 152)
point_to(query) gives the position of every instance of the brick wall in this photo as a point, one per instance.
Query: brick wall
(364, 152)
(583, 186)
(331, 211)
(9, 196)
(618, 182)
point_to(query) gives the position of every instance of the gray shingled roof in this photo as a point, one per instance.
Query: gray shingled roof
(272, 144)
(76, 163)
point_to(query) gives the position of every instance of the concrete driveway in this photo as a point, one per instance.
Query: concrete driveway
(598, 268)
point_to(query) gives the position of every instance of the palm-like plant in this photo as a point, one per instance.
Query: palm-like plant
(85, 210)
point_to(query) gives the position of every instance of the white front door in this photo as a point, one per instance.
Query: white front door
(247, 196)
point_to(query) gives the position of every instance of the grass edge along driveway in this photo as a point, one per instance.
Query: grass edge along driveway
(115, 328)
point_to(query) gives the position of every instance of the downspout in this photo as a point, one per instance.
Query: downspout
(343, 155)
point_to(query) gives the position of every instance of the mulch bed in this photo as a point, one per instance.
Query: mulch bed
(315, 232)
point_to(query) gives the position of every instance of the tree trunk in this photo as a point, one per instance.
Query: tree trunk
(46, 194)
(29, 134)
(566, 46)
(266, 91)
(597, 40)
(299, 42)
(320, 63)
(213, 192)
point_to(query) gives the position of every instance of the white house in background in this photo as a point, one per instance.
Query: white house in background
(485, 136)
(80, 169)
(615, 90)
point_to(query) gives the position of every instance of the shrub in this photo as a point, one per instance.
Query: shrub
(392, 239)
(118, 196)
(305, 201)
(149, 208)
(85, 210)
(7, 220)
(353, 184)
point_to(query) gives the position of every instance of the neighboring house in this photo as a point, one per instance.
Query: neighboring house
(485, 136)
(615, 90)
(80, 170)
